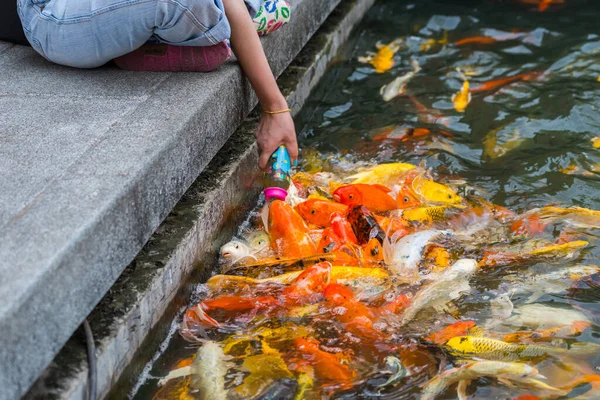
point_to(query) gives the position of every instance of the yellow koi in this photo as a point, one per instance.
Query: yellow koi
(434, 192)
(492, 349)
(383, 60)
(382, 174)
(462, 98)
(339, 273)
(428, 214)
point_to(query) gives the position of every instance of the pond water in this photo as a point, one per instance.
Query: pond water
(521, 145)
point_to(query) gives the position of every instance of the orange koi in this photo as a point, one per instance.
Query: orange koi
(400, 303)
(429, 116)
(342, 228)
(308, 287)
(374, 197)
(318, 212)
(329, 241)
(238, 303)
(498, 83)
(327, 366)
(527, 397)
(407, 198)
(289, 233)
(548, 334)
(528, 226)
(475, 40)
(356, 317)
(460, 328)
(372, 251)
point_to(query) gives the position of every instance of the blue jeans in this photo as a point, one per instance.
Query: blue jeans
(89, 33)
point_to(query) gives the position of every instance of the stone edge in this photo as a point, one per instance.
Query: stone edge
(211, 201)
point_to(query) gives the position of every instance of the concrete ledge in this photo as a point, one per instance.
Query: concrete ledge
(92, 162)
(134, 317)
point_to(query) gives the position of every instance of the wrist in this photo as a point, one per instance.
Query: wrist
(274, 104)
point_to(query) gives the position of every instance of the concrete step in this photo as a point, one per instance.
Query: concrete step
(136, 316)
(91, 164)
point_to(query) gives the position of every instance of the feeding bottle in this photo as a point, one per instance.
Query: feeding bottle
(277, 175)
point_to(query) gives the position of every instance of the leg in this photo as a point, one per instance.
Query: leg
(88, 33)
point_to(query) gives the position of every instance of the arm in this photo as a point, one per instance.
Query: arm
(273, 130)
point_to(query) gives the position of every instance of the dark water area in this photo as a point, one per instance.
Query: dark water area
(523, 145)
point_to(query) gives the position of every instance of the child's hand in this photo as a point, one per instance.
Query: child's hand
(273, 131)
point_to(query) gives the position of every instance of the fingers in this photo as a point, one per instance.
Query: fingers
(292, 146)
(263, 158)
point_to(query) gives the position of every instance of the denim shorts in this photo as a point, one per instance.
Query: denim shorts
(89, 33)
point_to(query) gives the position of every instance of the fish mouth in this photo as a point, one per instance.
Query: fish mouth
(226, 254)
(336, 197)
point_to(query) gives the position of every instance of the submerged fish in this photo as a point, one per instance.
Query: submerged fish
(396, 369)
(465, 373)
(397, 87)
(462, 98)
(207, 372)
(460, 328)
(443, 288)
(475, 40)
(550, 283)
(498, 83)
(539, 316)
(576, 216)
(383, 60)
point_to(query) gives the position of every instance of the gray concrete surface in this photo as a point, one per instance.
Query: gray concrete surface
(141, 300)
(91, 162)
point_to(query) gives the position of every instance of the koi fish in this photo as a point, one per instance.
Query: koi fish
(462, 98)
(428, 214)
(431, 192)
(374, 197)
(327, 366)
(576, 216)
(551, 251)
(541, 317)
(548, 334)
(309, 286)
(342, 228)
(383, 60)
(443, 288)
(236, 251)
(364, 225)
(460, 328)
(477, 369)
(498, 83)
(207, 372)
(338, 274)
(356, 317)
(402, 255)
(406, 198)
(397, 87)
(497, 350)
(428, 44)
(288, 232)
(428, 116)
(382, 174)
(318, 212)
(475, 40)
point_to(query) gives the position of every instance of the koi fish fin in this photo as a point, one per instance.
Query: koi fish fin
(365, 60)
(415, 65)
(461, 389)
(176, 373)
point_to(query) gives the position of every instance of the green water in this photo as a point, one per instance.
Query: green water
(525, 145)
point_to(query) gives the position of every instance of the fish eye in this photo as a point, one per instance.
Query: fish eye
(351, 196)
(406, 199)
(237, 247)
(449, 196)
(313, 212)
